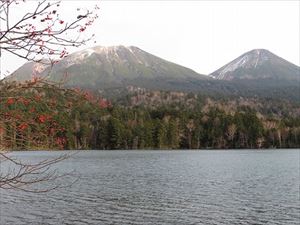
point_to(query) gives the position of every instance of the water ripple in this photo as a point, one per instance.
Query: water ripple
(164, 187)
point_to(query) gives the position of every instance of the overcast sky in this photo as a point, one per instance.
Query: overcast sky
(201, 35)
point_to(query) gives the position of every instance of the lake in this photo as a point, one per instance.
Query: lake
(164, 187)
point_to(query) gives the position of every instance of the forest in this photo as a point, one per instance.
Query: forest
(42, 115)
(38, 114)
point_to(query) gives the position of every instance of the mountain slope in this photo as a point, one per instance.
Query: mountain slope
(106, 67)
(258, 73)
(258, 64)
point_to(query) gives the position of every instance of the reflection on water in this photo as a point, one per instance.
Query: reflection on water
(165, 187)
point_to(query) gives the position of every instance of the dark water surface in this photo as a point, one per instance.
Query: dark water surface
(165, 187)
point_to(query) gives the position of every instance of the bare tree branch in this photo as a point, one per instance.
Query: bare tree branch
(39, 35)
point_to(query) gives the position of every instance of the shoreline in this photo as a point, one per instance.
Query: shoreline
(145, 150)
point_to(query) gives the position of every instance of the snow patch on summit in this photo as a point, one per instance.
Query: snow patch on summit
(77, 57)
(88, 52)
(240, 62)
(83, 54)
(251, 59)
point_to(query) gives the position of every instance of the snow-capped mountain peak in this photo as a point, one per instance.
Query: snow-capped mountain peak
(116, 53)
(104, 67)
(257, 63)
(250, 59)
